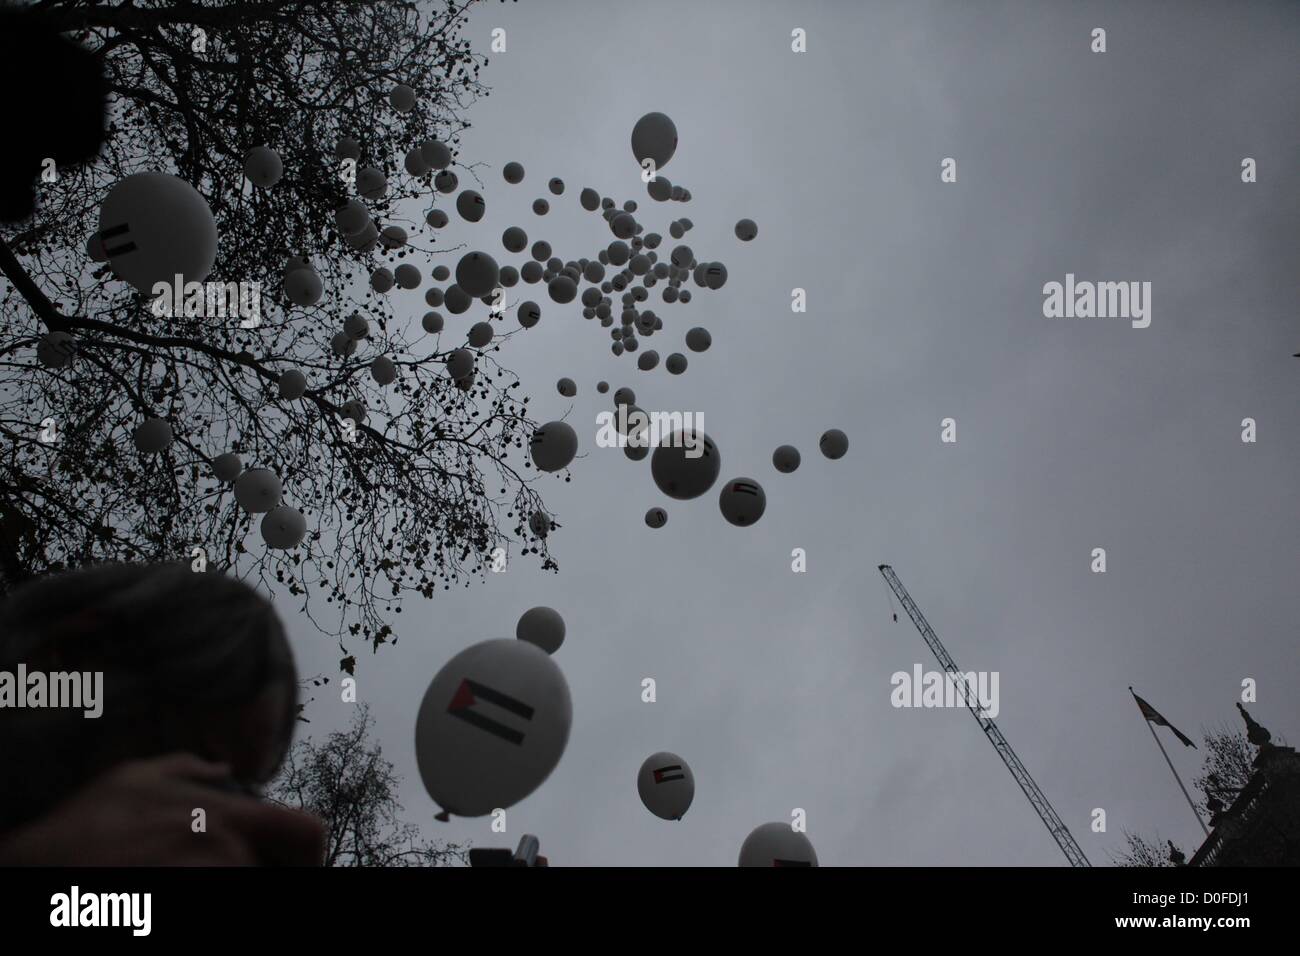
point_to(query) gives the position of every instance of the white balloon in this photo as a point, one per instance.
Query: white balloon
(542, 626)
(402, 98)
(698, 339)
(258, 490)
(154, 227)
(776, 844)
(477, 274)
(227, 467)
(152, 436)
(491, 727)
(371, 182)
(562, 289)
(366, 239)
(456, 299)
(407, 276)
(356, 326)
(654, 137)
(680, 476)
(263, 167)
(283, 528)
(446, 182)
(303, 287)
(514, 239)
(355, 409)
(343, 345)
(470, 205)
(56, 349)
(834, 443)
(666, 785)
(293, 385)
(786, 459)
(393, 237)
(460, 364)
(383, 371)
(715, 275)
(529, 314)
(351, 217)
(742, 501)
(415, 162)
(435, 153)
(553, 446)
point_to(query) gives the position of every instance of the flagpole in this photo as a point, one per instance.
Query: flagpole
(1156, 738)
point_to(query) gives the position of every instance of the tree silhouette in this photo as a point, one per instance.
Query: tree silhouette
(348, 784)
(416, 497)
(1225, 770)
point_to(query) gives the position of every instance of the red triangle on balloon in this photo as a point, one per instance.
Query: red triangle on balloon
(464, 697)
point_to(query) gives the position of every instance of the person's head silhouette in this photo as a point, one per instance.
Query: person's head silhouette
(194, 662)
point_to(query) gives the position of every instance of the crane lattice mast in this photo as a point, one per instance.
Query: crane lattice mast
(1060, 832)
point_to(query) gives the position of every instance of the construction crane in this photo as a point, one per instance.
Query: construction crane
(1060, 832)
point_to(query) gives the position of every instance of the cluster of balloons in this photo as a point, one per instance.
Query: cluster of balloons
(495, 720)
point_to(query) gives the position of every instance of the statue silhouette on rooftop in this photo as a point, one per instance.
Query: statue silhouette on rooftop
(1255, 732)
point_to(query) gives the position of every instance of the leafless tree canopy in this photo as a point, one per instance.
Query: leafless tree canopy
(348, 784)
(1225, 770)
(436, 478)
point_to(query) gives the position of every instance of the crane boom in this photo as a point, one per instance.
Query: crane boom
(1060, 832)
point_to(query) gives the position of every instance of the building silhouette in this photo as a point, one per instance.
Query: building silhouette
(1262, 826)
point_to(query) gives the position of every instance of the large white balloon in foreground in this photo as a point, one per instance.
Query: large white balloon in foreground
(776, 844)
(491, 727)
(542, 626)
(155, 226)
(666, 785)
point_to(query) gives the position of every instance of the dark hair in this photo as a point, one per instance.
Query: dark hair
(176, 648)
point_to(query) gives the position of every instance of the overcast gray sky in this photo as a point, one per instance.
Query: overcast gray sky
(924, 302)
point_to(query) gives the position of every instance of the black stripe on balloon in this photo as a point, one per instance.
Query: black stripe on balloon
(662, 775)
(508, 734)
(504, 701)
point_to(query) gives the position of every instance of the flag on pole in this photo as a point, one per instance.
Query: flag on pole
(1155, 717)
